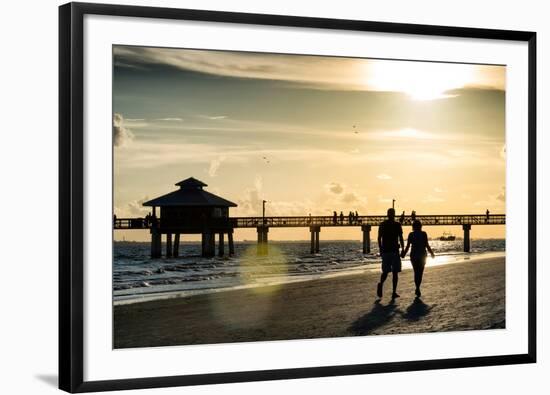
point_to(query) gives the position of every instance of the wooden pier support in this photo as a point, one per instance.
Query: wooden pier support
(156, 244)
(176, 245)
(366, 238)
(220, 245)
(208, 244)
(262, 240)
(230, 242)
(315, 230)
(466, 228)
(168, 245)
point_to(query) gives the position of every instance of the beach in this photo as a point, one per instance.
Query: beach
(469, 295)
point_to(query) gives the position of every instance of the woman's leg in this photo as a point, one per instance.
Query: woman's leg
(416, 269)
(419, 272)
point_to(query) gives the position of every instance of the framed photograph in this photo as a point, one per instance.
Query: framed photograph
(251, 197)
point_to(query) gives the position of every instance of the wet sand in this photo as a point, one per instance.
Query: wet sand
(461, 296)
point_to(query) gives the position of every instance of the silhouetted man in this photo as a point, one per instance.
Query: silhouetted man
(390, 237)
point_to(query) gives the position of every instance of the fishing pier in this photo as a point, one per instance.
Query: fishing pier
(191, 210)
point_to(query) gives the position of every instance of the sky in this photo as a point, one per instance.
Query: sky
(309, 134)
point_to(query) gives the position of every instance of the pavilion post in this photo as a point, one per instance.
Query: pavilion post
(155, 243)
(230, 242)
(220, 245)
(176, 245)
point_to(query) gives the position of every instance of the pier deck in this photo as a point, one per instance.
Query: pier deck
(225, 226)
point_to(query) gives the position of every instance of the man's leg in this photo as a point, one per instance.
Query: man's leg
(395, 279)
(383, 278)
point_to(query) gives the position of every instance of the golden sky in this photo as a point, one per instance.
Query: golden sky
(309, 134)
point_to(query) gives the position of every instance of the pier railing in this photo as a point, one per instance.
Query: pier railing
(373, 220)
(308, 221)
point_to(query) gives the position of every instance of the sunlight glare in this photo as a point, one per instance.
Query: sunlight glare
(419, 80)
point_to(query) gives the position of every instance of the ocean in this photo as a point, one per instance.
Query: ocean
(138, 277)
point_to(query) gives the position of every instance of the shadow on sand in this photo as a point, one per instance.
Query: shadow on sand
(377, 317)
(417, 310)
(381, 315)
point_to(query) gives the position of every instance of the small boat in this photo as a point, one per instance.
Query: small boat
(447, 237)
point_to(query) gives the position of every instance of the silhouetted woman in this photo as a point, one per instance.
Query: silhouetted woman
(418, 239)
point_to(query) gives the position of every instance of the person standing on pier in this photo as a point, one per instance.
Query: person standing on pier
(341, 217)
(390, 237)
(418, 239)
(335, 218)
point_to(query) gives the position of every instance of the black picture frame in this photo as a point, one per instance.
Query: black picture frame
(71, 181)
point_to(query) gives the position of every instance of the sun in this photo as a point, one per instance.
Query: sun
(419, 80)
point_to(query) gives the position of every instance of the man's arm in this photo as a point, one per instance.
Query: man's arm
(379, 238)
(428, 247)
(404, 252)
(401, 237)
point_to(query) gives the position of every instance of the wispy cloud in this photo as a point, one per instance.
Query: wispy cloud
(213, 117)
(170, 119)
(384, 176)
(421, 80)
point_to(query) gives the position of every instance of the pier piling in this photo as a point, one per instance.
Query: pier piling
(366, 238)
(466, 228)
(315, 230)
(262, 239)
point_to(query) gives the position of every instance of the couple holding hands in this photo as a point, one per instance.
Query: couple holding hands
(390, 240)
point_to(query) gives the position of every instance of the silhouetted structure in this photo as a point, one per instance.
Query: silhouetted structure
(190, 210)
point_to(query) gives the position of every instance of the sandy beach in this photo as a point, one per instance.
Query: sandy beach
(460, 296)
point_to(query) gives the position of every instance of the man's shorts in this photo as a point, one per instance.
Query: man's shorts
(391, 262)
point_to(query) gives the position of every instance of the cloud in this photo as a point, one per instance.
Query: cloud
(350, 197)
(170, 119)
(384, 177)
(334, 188)
(215, 165)
(133, 208)
(213, 117)
(121, 135)
(438, 190)
(250, 203)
